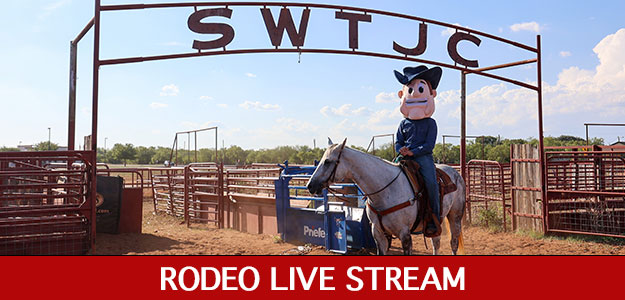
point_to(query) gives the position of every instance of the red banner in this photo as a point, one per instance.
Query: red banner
(310, 276)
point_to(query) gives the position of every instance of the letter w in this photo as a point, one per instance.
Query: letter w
(285, 22)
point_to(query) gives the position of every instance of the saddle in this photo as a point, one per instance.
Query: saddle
(445, 184)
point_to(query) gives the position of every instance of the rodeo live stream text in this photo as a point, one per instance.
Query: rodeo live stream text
(322, 278)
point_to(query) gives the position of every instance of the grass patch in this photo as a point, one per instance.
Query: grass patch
(490, 219)
(277, 239)
(574, 238)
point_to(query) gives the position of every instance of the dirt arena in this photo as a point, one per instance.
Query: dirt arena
(165, 235)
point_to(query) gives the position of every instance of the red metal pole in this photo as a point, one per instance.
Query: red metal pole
(463, 139)
(512, 190)
(541, 146)
(503, 194)
(71, 124)
(94, 119)
(186, 195)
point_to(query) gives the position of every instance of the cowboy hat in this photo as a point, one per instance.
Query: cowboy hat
(432, 75)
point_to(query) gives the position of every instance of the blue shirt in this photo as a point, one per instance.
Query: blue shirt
(418, 135)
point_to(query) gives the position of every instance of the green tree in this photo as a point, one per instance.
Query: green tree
(161, 154)
(46, 146)
(234, 155)
(450, 154)
(103, 156)
(8, 149)
(144, 154)
(123, 153)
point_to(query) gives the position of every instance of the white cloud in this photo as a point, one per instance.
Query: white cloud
(47, 11)
(222, 105)
(56, 5)
(291, 124)
(259, 106)
(170, 90)
(174, 44)
(344, 110)
(527, 26)
(207, 98)
(449, 31)
(156, 105)
(194, 125)
(387, 98)
(578, 93)
(385, 116)
(565, 53)
(250, 75)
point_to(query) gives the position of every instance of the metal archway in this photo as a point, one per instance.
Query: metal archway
(353, 15)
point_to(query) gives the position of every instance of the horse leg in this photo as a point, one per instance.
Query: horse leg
(436, 244)
(406, 241)
(380, 238)
(455, 226)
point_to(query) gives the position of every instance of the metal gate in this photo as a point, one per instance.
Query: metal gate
(488, 189)
(168, 190)
(586, 192)
(44, 203)
(204, 194)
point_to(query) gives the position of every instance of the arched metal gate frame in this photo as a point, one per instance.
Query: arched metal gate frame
(353, 15)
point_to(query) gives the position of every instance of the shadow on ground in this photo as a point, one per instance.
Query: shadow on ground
(133, 243)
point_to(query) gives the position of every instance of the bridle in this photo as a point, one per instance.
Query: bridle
(338, 160)
(333, 175)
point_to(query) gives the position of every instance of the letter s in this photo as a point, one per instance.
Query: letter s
(350, 274)
(226, 31)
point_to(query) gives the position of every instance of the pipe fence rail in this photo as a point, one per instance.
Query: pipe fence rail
(488, 193)
(586, 192)
(43, 203)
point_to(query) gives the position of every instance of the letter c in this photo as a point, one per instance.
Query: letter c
(452, 48)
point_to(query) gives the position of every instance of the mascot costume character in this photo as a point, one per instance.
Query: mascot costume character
(416, 135)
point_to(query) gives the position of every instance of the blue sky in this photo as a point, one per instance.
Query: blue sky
(266, 100)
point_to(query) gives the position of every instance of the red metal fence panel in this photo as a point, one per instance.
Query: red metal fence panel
(488, 192)
(168, 190)
(586, 192)
(45, 205)
(203, 194)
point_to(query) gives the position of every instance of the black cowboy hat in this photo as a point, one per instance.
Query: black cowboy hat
(432, 75)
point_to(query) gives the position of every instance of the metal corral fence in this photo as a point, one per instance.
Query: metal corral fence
(586, 192)
(168, 190)
(239, 197)
(488, 192)
(203, 194)
(251, 198)
(44, 207)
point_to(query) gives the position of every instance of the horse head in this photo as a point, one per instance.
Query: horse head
(328, 169)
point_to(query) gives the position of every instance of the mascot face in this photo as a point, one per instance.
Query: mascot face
(417, 100)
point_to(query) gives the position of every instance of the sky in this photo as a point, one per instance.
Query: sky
(268, 100)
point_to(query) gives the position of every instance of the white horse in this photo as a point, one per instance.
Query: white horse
(386, 187)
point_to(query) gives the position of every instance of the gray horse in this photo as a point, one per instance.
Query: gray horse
(386, 187)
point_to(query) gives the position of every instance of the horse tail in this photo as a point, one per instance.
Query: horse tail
(447, 232)
(460, 244)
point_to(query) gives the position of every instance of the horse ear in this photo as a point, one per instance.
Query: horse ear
(330, 143)
(343, 144)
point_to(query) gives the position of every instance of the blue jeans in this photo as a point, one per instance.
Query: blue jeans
(428, 171)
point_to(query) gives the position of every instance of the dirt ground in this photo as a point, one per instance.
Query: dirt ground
(165, 235)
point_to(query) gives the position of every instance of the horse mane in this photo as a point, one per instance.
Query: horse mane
(376, 157)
